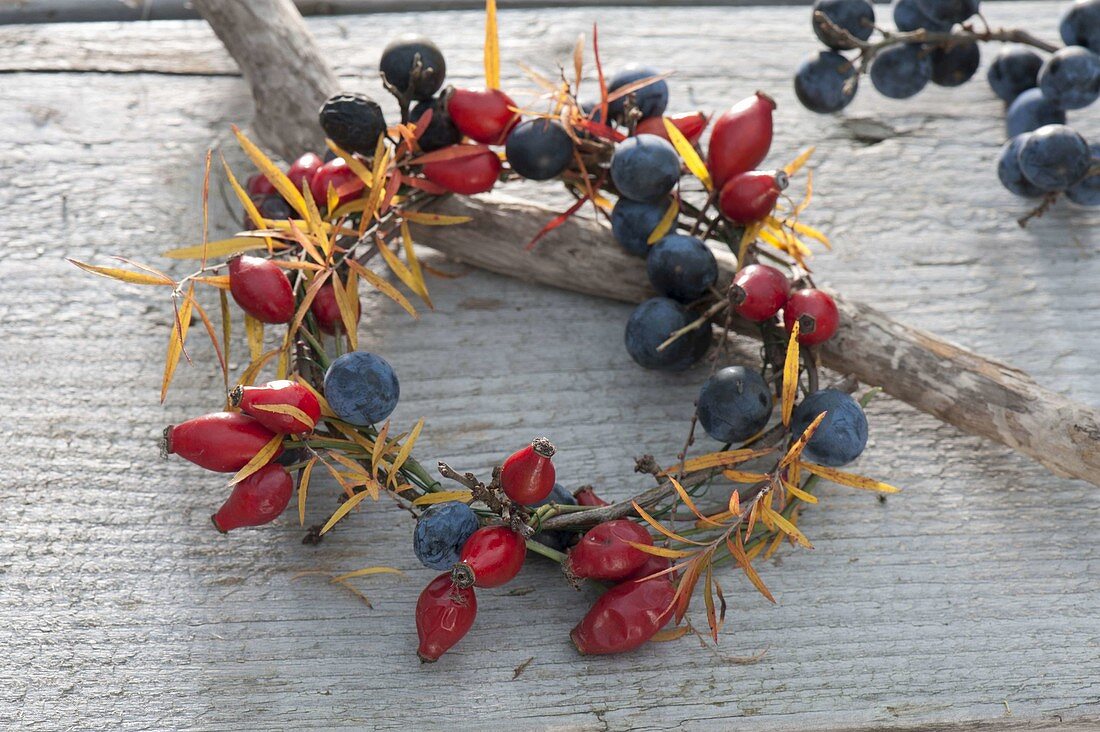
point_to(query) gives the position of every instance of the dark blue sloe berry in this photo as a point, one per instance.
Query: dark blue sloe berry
(539, 149)
(1080, 25)
(651, 100)
(825, 82)
(734, 404)
(1008, 169)
(440, 533)
(632, 222)
(645, 168)
(353, 121)
(651, 324)
(955, 63)
(1070, 79)
(361, 388)
(1014, 70)
(413, 65)
(948, 11)
(857, 17)
(1086, 192)
(441, 130)
(900, 72)
(842, 434)
(559, 540)
(909, 17)
(1030, 111)
(1054, 157)
(681, 267)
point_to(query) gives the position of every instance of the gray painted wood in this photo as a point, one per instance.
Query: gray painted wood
(967, 601)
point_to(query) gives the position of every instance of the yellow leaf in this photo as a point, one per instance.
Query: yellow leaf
(384, 287)
(249, 208)
(313, 221)
(367, 571)
(796, 449)
(288, 410)
(774, 546)
(326, 410)
(665, 224)
(810, 232)
(691, 158)
(354, 164)
(307, 300)
(670, 634)
(744, 476)
(343, 511)
(737, 551)
(379, 444)
(219, 281)
(406, 449)
(414, 266)
(176, 341)
(303, 490)
(260, 459)
(220, 248)
(686, 498)
(273, 174)
(795, 165)
(849, 479)
(805, 202)
(661, 551)
(227, 332)
(432, 219)
(125, 275)
(735, 503)
(752, 231)
(790, 375)
(255, 331)
(307, 243)
(660, 527)
(442, 497)
(347, 311)
(253, 369)
(788, 528)
(492, 46)
(397, 266)
(799, 493)
(718, 459)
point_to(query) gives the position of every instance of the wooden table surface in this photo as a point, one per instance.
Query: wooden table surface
(968, 601)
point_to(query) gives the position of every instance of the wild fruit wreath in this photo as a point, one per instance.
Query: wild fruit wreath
(316, 231)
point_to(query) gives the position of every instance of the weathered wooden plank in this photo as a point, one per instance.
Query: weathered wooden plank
(120, 609)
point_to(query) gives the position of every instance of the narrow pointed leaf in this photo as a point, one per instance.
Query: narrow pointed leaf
(176, 341)
(790, 375)
(125, 275)
(303, 489)
(344, 510)
(665, 224)
(273, 174)
(442, 497)
(691, 158)
(849, 479)
(260, 459)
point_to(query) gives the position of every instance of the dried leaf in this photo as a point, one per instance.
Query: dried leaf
(670, 634)
(442, 497)
(788, 528)
(288, 410)
(220, 248)
(255, 332)
(366, 572)
(661, 551)
(227, 332)
(260, 459)
(686, 498)
(556, 222)
(176, 341)
(799, 493)
(492, 46)
(253, 369)
(214, 340)
(384, 287)
(578, 62)
(665, 224)
(432, 219)
(718, 459)
(406, 449)
(348, 315)
(790, 375)
(795, 165)
(379, 444)
(125, 275)
(343, 511)
(274, 175)
(661, 527)
(414, 266)
(737, 551)
(691, 158)
(303, 489)
(744, 476)
(796, 449)
(849, 479)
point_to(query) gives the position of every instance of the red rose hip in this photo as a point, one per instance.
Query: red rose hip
(604, 553)
(444, 614)
(750, 197)
(653, 565)
(223, 441)
(256, 500)
(815, 313)
(691, 125)
(327, 312)
(337, 174)
(483, 115)
(469, 174)
(740, 138)
(528, 475)
(759, 292)
(303, 169)
(625, 617)
(258, 185)
(261, 289)
(262, 403)
(492, 556)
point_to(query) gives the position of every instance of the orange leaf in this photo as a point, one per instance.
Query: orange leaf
(260, 459)
(303, 490)
(176, 341)
(790, 375)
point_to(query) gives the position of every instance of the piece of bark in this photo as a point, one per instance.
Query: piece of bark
(981, 396)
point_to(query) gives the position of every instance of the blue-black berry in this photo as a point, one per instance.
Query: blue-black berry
(361, 388)
(909, 17)
(842, 434)
(1014, 70)
(681, 267)
(353, 121)
(734, 404)
(645, 168)
(539, 149)
(954, 63)
(1030, 111)
(1087, 191)
(1080, 25)
(441, 130)
(1008, 169)
(1054, 157)
(900, 72)
(857, 17)
(826, 82)
(651, 99)
(413, 66)
(440, 533)
(652, 323)
(948, 11)
(633, 221)
(1070, 79)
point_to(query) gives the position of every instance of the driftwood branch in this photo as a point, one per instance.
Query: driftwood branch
(976, 394)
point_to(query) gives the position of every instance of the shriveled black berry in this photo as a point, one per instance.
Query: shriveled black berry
(441, 130)
(413, 66)
(353, 121)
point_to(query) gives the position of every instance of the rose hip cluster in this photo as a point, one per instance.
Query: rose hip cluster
(1043, 157)
(448, 536)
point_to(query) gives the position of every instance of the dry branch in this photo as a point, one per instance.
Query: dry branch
(980, 396)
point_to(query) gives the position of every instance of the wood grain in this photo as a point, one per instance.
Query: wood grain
(965, 602)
